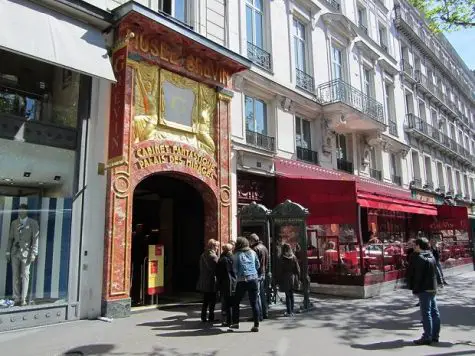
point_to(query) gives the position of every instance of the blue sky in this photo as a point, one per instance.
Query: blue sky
(464, 42)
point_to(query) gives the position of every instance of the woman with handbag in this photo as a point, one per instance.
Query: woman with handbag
(288, 277)
(207, 279)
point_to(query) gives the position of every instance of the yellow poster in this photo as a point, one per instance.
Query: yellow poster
(155, 269)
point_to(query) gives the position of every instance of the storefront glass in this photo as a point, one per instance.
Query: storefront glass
(39, 108)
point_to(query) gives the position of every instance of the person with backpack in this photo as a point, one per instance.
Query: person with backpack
(424, 284)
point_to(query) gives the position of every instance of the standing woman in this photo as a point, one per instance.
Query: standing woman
(288, 277)
(246, 265)
(226, 278)
(207, 280)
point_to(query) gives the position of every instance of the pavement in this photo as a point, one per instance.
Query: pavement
(384, 325)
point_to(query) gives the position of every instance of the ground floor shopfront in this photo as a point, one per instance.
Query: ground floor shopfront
(169, 168)
(51, 142)
(359, 230)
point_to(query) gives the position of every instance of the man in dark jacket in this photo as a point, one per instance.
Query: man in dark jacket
(263, 255)
(226, 281)
(424, 284)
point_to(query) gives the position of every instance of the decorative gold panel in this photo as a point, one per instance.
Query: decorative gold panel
(189, 117)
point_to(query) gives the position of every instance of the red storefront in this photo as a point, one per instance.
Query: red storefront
(344, 209)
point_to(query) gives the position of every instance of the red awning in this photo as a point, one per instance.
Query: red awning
(331, 196)
(373, 201)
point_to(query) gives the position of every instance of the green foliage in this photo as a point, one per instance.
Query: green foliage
(447, 15)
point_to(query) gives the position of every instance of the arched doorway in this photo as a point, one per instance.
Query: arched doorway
(173, 210)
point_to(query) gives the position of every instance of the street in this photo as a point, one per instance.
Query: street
(378, 326)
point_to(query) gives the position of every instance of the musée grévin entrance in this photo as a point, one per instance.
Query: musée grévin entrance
(169, 157)
(169, 211)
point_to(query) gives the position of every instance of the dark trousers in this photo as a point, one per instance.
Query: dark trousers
(226, 308)
(289, 301)
(252, 288)
(209, 302)
(262, 298)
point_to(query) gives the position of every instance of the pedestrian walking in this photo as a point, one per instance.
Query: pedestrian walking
(434, 246)
(246, 266)
(207, 280)
(226, 280)
(288, 277)
(424, 285)
(263, 255)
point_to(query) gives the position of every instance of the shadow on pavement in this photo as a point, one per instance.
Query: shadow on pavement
(456, 353)
(94, 349)
(395, 344)
(107, 349)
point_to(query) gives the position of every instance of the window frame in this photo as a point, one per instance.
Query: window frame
(299, 120)
(265, 111)
(188, 10)
(295, 39)
(255, 10)
(341, 49)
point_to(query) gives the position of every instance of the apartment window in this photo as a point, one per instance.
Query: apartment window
(409, 103)
(465, 184)
(300, 46)
(302, 133)
(422, 110)
(362, 19)
(256, 115)
(179, 9)
(450, 179)
(337, 63)
(341, 147)
(255, 22)
(383, 37)
(459, 183)
(472, 187)
(428, 169)
(433, 115)
(417, 63)
(393, 168)
(416, 169)
(440, 177)
(368, 82)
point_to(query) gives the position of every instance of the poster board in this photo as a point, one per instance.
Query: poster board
(156, 267)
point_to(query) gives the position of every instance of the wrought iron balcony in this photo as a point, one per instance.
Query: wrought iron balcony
(376, 174)
(429, 185)
(363, 28)
(307, 155)
(305, 81)
(426, 83)
(259, 140)
(335, 4)
(440, 189)
(344, 165)
(258, 56)
(416, 183)
(396, 179)
(339, 91)
(432, 134)
(392, 127)
(407, 68)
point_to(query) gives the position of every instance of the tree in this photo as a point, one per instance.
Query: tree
(447, 15)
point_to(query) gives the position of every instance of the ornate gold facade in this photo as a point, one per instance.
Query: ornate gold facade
(159, 114)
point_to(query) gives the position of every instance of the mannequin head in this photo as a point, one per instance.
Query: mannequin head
(23, 211)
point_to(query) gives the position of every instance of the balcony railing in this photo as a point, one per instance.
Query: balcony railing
(363, 28)
(429, 185)
(440, 189)
(307, 155)
(339, 91)
(422, 79)
(344, 165)
(392, 127)
(376, 174)
(416, 183)
(396, 179)
(259, 140)
(407, 68)
(384, 47)
(305, 81)
(335, 4)
(258, 56)
(415, 123)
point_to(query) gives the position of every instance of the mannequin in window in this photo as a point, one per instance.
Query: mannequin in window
(22, 250)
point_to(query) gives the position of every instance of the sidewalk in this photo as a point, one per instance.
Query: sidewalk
(378, 326)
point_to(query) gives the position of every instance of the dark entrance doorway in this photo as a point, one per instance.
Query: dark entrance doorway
(167, 210)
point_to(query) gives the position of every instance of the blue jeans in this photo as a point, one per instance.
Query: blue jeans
(252, 289)
(262, 299)
(430, 315)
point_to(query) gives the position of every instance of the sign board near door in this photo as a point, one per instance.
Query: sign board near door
(156, 269)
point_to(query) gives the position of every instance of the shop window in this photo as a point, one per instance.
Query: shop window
(40, 107)
(179, 9)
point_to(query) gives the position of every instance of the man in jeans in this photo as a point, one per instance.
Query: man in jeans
(424, 285)
(263, 256)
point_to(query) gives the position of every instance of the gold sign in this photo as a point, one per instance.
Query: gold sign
(176, 55)
(175, 154)
(426, 198)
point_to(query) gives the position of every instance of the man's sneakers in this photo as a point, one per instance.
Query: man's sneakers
(422, 342)
(255, 329)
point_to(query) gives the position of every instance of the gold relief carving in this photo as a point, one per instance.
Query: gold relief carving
(224, 97)
(121, 184)
(189, 117)
(225, 195)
